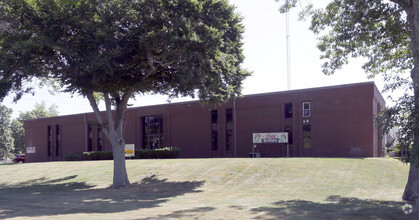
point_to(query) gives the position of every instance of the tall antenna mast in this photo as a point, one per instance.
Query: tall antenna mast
(287, 20)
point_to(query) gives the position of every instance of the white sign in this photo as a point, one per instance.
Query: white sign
(281, 137)
(129, 150)
(30, 150)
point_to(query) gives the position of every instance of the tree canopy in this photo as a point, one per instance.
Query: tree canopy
(121, 48)
(175, 48)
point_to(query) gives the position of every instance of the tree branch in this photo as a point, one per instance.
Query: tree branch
(161, 63)
(108, 104)
(387, 16)
(153, 68)
(151, 61)
(96, 110)
(121, 108)
(403, 3)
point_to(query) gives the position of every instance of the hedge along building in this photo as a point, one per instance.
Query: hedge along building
(334, 121)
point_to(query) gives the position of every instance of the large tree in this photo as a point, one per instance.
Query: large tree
(39, 111)
(6, 139)
(387, 34)
(121, 48)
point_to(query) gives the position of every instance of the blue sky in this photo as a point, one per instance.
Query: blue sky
(265, 55)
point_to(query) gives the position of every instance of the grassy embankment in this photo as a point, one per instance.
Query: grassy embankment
(266, 188)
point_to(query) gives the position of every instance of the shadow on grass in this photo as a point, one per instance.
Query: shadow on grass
(336, 207)
(193, 213)
(41, 197)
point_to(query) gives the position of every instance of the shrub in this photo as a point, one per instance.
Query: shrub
(98, 155)
(158, 153)
(72, 157)
(86, 156)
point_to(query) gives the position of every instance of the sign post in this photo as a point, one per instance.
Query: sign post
(30, 150)
(129, 150)
(272, 138)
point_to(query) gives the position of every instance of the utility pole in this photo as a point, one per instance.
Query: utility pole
(287, 20)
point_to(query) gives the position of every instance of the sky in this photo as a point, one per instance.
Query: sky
(265, 55)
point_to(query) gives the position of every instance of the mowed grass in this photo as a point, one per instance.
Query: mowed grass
(260, 188)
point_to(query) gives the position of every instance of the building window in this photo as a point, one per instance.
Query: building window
(214, 130)
(153, 131)
(49, 143)
(306, 109)
(89, 137)
(99, 139)
(288, 110)
(57, 140)
(307, 136)
(229, 129)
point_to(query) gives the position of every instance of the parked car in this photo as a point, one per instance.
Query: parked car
(20, 158)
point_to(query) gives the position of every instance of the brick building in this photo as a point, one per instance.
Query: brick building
(335, 121)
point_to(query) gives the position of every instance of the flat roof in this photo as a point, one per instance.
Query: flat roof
(244, 96)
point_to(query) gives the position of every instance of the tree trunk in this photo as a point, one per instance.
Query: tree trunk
(411, 192)
(120, 176)
(115, 136)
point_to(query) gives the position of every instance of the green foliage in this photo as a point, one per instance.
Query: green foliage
(40, 110)
(373, 29)
(98, 155)
(72, 157)
(160, 46)
(158, 153)
(380, 31)
(401, 118)
(6, 138)
(401, 151)
(18, 134)
(288, 4)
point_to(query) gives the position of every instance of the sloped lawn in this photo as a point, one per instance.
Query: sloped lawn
(260, 188)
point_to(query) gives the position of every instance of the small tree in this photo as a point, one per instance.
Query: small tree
(121, 48)
(18, 134)
(6, 139)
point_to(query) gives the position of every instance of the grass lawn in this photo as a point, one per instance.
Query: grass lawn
(260, 188)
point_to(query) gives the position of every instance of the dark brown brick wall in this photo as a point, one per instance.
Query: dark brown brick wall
(341, 125)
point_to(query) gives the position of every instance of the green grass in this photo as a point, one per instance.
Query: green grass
(265, 188)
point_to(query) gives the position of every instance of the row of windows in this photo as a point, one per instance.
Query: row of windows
(152, 134)
(288, 110)
(50, 143)
(306, 112)
(228, 129)
(153, 129)
(99, 140)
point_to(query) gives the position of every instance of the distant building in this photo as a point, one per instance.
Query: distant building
(335, 121)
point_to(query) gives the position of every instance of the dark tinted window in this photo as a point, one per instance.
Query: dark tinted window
(214, 130)
(229, 129)
(153, 131)
(288, 110)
